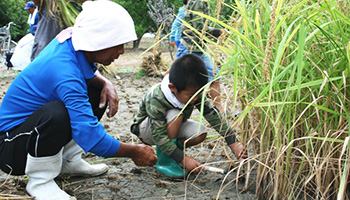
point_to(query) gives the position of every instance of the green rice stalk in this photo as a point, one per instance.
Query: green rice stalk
(297, 122)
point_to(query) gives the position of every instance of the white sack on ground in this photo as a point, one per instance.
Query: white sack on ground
(21, 56)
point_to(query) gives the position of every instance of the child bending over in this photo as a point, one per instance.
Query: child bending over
(159, 120)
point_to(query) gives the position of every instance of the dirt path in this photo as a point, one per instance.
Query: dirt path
(125, 180)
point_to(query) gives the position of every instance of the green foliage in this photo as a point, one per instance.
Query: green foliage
(12, 10)
(140, 74)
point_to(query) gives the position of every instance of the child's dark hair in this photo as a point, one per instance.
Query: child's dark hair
(188, 71)
(184, 1)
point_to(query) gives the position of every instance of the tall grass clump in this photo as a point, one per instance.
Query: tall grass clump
(288, 64)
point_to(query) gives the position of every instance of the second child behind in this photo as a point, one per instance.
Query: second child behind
(159, 120)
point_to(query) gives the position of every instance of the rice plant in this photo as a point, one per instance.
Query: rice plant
(288, 64)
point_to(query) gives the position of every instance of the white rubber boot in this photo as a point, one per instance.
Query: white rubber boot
(41, 172)
(74, 165)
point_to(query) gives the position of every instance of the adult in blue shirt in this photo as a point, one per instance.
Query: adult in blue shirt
(52, 109)
(175, 35)
(33, 17)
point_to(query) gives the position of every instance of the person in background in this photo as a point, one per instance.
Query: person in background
(163, 118)
(49, 25)
(175, 35)
(51, 111)
(190, 41)
(33, 17)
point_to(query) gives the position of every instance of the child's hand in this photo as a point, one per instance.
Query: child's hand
(191, 164)
(239, 150)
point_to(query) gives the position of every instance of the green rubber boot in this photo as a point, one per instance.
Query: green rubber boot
(168, 166)
(180, 146)
(178, 143)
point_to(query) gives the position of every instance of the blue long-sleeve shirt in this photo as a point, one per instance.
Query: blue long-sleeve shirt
(176, 26)
(59, 73)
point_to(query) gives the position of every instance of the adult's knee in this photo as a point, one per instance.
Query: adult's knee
(58, 110)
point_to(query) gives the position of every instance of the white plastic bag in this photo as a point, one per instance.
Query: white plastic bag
(21, 56)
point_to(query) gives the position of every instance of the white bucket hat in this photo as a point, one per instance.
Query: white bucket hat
(102, 24)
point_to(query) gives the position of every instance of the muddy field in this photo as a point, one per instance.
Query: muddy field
(125, 180)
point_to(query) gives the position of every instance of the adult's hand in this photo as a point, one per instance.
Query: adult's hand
(141, 154)
(108, 93)
(172, 44)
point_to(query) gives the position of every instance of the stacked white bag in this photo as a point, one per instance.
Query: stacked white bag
(21, 56)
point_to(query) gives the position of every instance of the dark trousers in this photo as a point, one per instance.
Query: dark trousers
(43, 133)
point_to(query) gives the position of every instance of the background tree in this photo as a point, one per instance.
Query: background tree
(161, 13)
(12, 10)
(138, 11)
